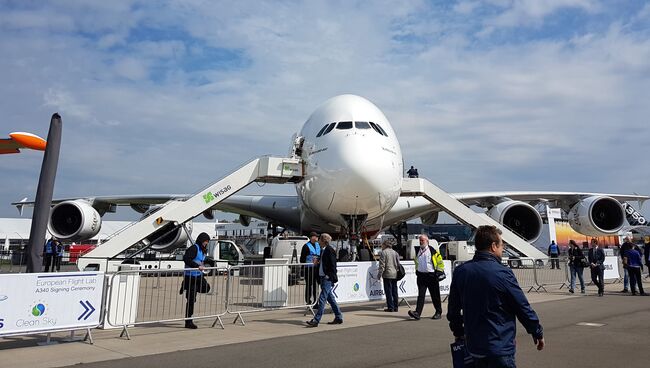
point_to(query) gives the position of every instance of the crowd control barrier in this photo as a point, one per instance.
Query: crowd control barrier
(554, 273)
(140, 297)
(271, 286)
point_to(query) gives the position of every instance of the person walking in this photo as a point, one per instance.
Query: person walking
(193, 281)
(484, 300)
(327, 273)
(428, 267)
(554, 253)
(310, 255)
(596, 260)
(632, 260)
(577, 263)
(388, 265)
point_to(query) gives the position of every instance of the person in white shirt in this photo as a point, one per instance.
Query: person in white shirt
(428, 266)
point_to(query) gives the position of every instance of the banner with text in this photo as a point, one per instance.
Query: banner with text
(358, 282)
(41, 302)
(611, 268)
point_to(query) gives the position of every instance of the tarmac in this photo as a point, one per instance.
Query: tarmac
(580, 331)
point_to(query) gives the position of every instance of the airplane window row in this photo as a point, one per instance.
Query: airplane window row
(343, 125)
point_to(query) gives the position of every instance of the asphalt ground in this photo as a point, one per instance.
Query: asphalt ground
(619, 338)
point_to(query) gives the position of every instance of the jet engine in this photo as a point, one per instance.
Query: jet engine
(596, 216)
(245, 220)
(169, 238)
(74, 220)
(521, 218)
(430, 218)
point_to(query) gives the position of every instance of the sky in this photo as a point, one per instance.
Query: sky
(169, 96)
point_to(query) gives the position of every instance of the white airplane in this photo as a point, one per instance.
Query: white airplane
(353, 176)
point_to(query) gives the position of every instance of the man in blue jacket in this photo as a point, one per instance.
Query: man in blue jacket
(490, 298)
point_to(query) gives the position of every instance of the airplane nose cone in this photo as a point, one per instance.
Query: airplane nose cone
(370, 176)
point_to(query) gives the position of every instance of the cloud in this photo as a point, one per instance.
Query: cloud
(546, 95)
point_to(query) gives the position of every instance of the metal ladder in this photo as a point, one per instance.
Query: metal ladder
(464, 214)
(173, 214)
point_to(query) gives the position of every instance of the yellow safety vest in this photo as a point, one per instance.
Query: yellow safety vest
(436, 260)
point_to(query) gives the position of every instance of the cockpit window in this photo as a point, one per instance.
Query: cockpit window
(382, 130)
(361, 125)
(344, 125)
(329, 128)
(374, 126)
(322, 130)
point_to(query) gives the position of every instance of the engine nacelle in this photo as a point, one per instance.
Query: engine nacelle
(430, 218)
(166, 238)
(74, 220)
(596, 216)
(244, 220)
(520, 217)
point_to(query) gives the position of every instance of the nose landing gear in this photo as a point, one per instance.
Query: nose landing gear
(354, 225)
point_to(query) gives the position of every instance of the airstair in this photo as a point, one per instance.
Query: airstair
(464, 214)
(174, 214)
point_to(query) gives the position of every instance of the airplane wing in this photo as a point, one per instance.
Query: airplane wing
(279, 209)
(18, 140)
(408, 208)
(284, 210)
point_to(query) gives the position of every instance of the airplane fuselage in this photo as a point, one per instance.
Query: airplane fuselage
(353, 163)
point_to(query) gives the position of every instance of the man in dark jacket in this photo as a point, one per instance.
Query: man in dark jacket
(484, 300)
(627, 245)
(195, 259)
(327, 273)
(596, 259)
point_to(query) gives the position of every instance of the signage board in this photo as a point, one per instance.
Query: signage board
(41, 302)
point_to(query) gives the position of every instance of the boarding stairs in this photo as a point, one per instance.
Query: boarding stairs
(174, 214)
(412, 187)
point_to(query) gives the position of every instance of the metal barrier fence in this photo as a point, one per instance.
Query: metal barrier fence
(525, 272)
(256, 288)
(534, 274)
(139, 297)
(554, 272)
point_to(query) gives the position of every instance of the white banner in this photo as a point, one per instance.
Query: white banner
(39, 302)
(358, 282)
(611, 268)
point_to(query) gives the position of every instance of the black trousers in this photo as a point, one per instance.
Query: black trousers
(555, 261)
(597, 274)
(428, 281)
(635, 279)
(191, 285)
(311, 277)
(49, 260)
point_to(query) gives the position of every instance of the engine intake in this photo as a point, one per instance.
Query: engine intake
(520, 217)
(597, 215)
(74, 220)
(167, 238)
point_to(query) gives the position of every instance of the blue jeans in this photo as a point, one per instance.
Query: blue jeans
(577, 270)
(390, 289)
(626, 279)
(504, 361)
(326, 294)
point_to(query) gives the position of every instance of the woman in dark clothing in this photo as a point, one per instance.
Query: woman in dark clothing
(577, 262)
(193, 281)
